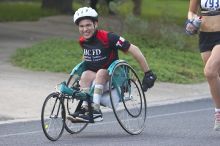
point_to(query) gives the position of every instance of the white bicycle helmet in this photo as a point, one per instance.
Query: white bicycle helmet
(85, 12)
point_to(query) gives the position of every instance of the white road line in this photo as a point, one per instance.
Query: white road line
(111, 122)
(177, 113)
(19, 134)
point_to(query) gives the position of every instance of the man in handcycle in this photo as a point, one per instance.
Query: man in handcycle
(100, 49)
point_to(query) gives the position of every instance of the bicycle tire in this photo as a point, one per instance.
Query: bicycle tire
(131, 111)
(53, 117)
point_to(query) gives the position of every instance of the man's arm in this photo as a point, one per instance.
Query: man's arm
(139, 57)
(149, 76)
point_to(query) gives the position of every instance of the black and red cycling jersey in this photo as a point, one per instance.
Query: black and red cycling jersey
(102, 49)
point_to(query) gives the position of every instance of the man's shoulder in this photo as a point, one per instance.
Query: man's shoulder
(104, 32)
(106, 35)
(81, 39)
(101, 32)
(102, 35)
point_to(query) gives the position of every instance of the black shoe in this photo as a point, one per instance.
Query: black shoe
(97, 116)
(74, 120)
(80, 112)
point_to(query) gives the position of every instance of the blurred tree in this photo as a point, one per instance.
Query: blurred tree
(137, 7)
(63, 6)
(93, 4)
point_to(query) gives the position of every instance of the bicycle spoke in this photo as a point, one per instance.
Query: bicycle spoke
(131, 111)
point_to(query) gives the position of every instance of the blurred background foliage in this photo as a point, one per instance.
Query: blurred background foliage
(158, 31)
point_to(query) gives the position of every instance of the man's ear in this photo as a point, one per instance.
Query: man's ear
(96, 24)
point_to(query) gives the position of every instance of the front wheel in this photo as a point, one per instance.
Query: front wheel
(53, 116)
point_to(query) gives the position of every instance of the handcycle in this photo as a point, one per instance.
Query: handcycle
(126, 99)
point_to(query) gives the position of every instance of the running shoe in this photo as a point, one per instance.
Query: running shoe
(217, 121)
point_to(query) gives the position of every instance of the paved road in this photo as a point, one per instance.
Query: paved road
(181, 124)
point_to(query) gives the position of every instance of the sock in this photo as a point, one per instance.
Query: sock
(86, 90)
(85, 104)
(97, 94)
(217, 110)
(96, 106)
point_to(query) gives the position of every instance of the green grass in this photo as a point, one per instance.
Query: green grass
(59, 55)
(170, 11)
(152, 10)
(55, 55)
(23, 11)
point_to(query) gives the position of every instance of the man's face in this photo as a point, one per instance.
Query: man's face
(87, 28)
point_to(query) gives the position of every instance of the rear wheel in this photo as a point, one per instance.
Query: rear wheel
(129, 104)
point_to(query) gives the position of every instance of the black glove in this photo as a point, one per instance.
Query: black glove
(148, 80)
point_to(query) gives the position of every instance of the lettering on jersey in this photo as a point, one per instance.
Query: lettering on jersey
(92, 55)
(92, 52)
(120, 42)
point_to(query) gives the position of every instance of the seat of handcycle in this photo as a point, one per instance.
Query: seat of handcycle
(105, 100)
